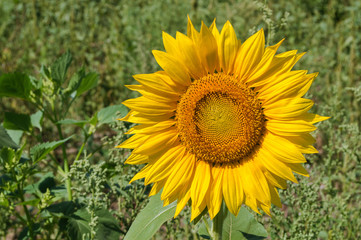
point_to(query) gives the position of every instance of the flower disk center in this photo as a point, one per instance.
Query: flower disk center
(219, 119)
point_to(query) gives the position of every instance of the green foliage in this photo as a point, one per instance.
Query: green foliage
(60, 67)
(150, 219)
(17, 121)
(5, 139)
(240, 227)
(107, 226)
(41, 150)
(15, 85)
(25, 184)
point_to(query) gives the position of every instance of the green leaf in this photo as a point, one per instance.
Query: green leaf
(244, 226)
(15, 135)
(78, 224)
(17, 121)
(79, 123)
(87, 83)
(150, 219)
(203, 231)
(25, 233)
(63, 208)
(5, 140)
(36, 83)
(47, 183)
(4, 179)
(7, 155)
(31, 202)
(40, 151)
(109, 114)
(60, 68)
(107, 227)
(74, 82)
(15, 85)
(36, 119)
(45, 72)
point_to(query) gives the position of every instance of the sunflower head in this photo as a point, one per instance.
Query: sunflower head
(223, 121)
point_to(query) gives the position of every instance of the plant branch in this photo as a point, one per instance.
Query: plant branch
(66, 165)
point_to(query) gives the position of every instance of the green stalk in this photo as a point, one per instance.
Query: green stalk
(81, 148)
(66, 166)
(27, 213)
(218, 221)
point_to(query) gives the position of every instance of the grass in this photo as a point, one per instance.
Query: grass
(115, 38)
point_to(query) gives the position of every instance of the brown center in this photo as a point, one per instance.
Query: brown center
(220, 120)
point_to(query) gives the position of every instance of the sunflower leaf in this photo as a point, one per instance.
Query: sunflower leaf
(109, 114)
(244, 226)
(150, 219)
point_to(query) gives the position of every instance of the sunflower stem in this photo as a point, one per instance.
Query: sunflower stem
(217, 227)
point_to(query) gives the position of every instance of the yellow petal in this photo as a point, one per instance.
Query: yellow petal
(200, 184)
(250, 55)
(227, 47)
(275, 180)
(136, 159)
(290, 87)
(289, 127)
(141, 174)
(313, 118)
(157, 187)
(191, 31)
(197, 210)
(182, 201)
(153, 128)
(266, 64)
(275, 166)
(232, 188)
(157, 142)
(170, 44)
(303, 142)
(136, 117)
(275, 198)
(154, 95)
(282, 149)
(190, 56)
(251, 202)
(273, 74)
(181, 176)
(147, 106)
(133, 141)
(298, 168)
(161, 168)
(264, 207)
(208, 50)
(175, 69)
(160, 82)
(254, 182)
(214, 200)
(279, 80)
(287, 108)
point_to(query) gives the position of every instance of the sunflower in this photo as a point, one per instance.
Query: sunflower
(224, 120)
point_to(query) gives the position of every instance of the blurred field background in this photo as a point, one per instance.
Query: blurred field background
(115, 39)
